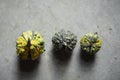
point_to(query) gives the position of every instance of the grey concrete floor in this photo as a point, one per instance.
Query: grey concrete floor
(48, 17)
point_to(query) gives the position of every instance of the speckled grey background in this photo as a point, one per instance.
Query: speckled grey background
(48, 17)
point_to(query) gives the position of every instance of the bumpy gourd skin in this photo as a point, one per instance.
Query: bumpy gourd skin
(90, 43)
(64, 40)
(29, 45)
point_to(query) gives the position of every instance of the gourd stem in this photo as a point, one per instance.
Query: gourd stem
(28, 45)
(28, 42)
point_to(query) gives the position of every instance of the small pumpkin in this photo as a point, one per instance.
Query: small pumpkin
(90, 43)
(29, 45)
(65, 40)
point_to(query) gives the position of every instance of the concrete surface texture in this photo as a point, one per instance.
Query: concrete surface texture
(48, 17)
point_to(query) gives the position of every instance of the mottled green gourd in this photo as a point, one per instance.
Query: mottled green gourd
(29, 45)
(65, 40)
(90, 43)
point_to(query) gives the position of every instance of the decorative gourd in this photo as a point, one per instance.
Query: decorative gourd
(90, 43)
(65, 40)
(29, 45)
